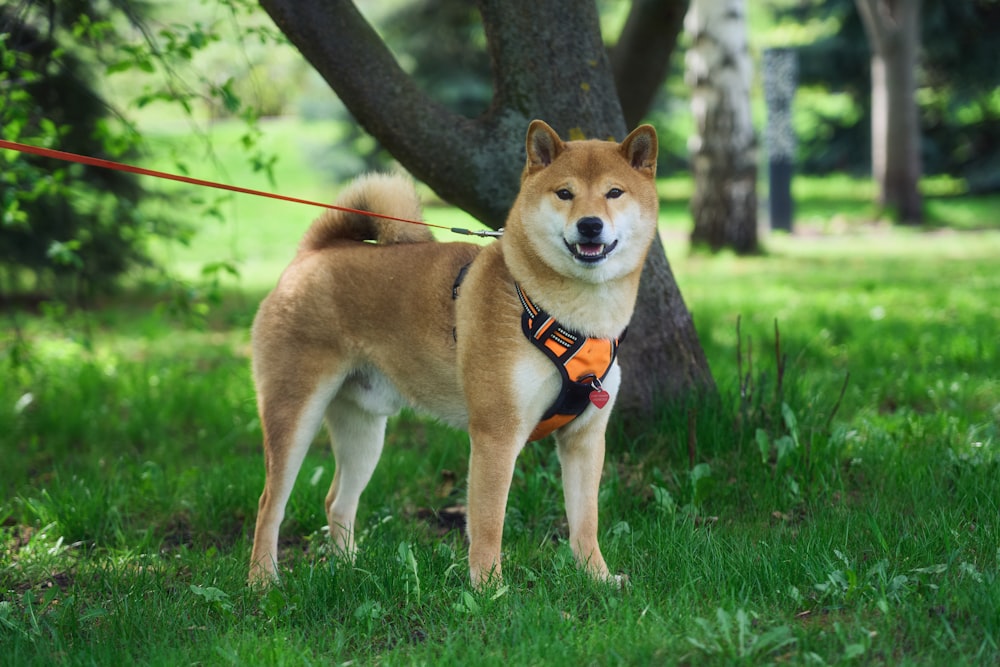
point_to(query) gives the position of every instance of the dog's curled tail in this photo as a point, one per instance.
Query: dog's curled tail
(388, 194)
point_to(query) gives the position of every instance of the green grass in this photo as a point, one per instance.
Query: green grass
(132, 466)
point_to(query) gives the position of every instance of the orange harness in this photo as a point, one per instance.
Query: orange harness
(582, 362)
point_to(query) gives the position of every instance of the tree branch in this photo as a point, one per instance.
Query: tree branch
(641, 58)
(878, 21)
(433, 142)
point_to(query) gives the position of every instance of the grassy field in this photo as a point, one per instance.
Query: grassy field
(815, 524)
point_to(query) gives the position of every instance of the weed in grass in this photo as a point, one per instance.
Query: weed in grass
(737, 637)
(845, 584)
(215, 600)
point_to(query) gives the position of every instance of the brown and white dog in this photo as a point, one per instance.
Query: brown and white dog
(508, 341)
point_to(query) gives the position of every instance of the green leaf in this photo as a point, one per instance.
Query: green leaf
(764, 445)
(210, 593)
(230, 100)
(789, 418)
(852, 651)
(470, 602)
(664, 501)
(369, 610)
(701, 483)
(784, 446)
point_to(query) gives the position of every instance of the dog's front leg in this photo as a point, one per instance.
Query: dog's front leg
(581, 455)
(491, 469)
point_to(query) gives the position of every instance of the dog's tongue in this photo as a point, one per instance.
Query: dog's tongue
(590, 249)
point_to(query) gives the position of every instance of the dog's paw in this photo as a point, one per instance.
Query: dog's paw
(619, 581)
(337, 544)
(261, 579)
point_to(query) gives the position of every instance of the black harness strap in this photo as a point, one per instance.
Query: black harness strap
(458, 280)
(541, 328)
(561, 346)
(454, 291)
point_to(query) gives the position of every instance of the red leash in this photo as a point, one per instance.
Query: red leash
(118, 166)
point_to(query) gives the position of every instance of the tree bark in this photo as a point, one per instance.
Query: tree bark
(724, 150)
(893, 29)
(661, 357)
(547, 63)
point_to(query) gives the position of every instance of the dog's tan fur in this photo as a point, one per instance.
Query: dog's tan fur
(354, 331)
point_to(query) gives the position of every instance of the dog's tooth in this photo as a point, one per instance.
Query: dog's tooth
(590, 249)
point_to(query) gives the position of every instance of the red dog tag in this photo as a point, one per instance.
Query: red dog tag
(599, 397)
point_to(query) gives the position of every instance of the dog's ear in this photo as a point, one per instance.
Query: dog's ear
(543, 145)
(640, 148)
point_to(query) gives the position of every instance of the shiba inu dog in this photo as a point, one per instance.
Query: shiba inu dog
(509, 341)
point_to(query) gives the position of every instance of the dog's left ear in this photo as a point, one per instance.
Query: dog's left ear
(640, 148)
(543, 145)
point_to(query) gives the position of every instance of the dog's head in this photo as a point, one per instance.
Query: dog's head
(588, 209)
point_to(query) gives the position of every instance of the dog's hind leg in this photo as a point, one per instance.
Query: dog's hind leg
(356, 436)
(290, 423)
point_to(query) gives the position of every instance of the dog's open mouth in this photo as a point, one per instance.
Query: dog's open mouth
(591, 252)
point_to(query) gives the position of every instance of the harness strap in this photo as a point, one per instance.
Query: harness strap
(582, 362)
(455, 287)
(458, 280)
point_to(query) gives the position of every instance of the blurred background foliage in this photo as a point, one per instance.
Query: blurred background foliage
(959, 87)
(70, 227)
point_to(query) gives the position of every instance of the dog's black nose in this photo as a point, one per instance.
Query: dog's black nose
(590, 227)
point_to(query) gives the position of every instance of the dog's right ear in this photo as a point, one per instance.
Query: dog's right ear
(639, 148)
(543, 145)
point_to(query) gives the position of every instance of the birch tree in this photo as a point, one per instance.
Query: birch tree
(724, 147)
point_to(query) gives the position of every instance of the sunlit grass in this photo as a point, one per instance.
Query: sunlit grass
(130, 501)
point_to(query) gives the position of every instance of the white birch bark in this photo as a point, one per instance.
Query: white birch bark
(724, 148)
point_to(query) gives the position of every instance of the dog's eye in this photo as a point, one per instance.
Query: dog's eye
(614, 193)
(564, 194)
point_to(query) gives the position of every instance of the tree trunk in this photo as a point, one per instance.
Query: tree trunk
(893, 28)
(547, 63)
(724, 150)
(661, 358)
